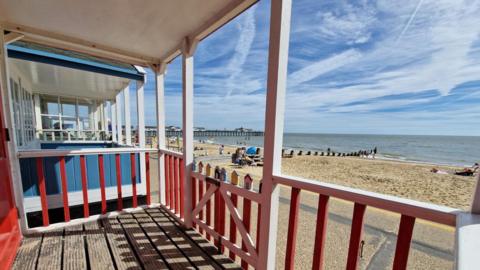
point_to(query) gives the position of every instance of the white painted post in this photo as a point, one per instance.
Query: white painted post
(119, 118)
(160, 95)
(475, 209)
(12, 145)
(141, 128)
(128, 124)
(274, 121)
(113, 121)
(38, 116)
(188, 50)
(105, 119)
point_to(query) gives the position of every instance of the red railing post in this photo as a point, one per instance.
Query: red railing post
(404, 239)
(182, 188)
(172, 183)
(355, 236)
(175, 185)
(209, 202)
(247, 209)
(63, 176)
(43, 191)
(292, 229)
(147, 169)
(102, 183)
(119, 183)
(320, 232)
(200, 195)
(167, 180)
(134, 180)
(233, 227)
(83, 170)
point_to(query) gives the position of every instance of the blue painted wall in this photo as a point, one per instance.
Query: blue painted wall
(74, 181)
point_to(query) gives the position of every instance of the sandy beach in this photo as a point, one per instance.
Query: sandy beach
(403, 179)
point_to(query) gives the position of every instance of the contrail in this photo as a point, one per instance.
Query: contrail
(410, 20)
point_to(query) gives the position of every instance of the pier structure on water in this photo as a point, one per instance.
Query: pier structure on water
(216, 133)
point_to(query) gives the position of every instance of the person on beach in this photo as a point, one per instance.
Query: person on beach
(221, 149)
(374, 152)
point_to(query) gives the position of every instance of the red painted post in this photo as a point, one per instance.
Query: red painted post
(172, 183)
(119, 183)
(247, 209)
(181, 180)
(167, 181)
(208, 213)
(233, 226)
(193, 183)
(216, 217)
(177, 186)
(320, 233)
(221, 218)
(102, 183)
(355, 236)
(43, 191)
(83, 170)
(404, 239)
(134, 180)
(259, 214)
(147, 169)
(63, 176)
(292, 229)
(200, 195)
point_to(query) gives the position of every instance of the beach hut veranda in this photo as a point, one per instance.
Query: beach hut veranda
(75, 185)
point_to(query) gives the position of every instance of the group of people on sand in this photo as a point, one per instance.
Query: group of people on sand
(469, 171)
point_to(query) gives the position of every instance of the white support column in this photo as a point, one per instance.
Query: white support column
(188, 50)
(38, 116)
(274, 121)
(105, 119)
(113, 120)
(160, 95)
(128, 123)
(119, 118)
(12, 146)
(141, 128)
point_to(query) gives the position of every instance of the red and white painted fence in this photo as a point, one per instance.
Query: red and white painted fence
(61, 154)
(408, 209)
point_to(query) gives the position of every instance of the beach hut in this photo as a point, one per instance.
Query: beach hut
(77, 178)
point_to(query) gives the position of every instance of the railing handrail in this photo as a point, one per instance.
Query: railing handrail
(81, 152)
(170, 152)
(427, 211)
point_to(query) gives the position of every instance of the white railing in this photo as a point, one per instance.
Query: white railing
(71, 135)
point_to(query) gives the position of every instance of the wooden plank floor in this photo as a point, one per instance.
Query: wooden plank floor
(144, 239)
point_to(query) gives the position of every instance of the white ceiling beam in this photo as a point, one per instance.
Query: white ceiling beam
(78, 45)
(12, 37)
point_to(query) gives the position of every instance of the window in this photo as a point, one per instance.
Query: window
(23, 114)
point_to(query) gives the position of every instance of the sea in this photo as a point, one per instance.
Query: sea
(444, 150)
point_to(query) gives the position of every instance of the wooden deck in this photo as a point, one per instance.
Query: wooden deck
(144, 239)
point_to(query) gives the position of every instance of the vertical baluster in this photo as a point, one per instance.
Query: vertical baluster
(200, 195)
(209, 202)
(119, 182)
(134, 179)
(247, 209)
(404, 238)
(167, 180)
(355, 236)
(181, 181)
(320, 233)
(43, 191)
(175, 185)
(63, 177)
(259, 214)
(292, 229)
(233, 227)
(217, 210)
(83, 170)
(102, 183)
(147, 169)
(221, 207)
(171, 161)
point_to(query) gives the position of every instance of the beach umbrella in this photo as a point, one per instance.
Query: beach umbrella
(251, 150)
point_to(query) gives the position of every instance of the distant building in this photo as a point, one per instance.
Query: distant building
(199, 129)
(242, 129)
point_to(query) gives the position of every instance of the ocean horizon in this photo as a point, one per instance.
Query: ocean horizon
(434, 149)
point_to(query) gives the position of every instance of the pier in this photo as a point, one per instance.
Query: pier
(216, 133)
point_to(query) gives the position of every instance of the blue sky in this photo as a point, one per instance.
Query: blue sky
(381, 67)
